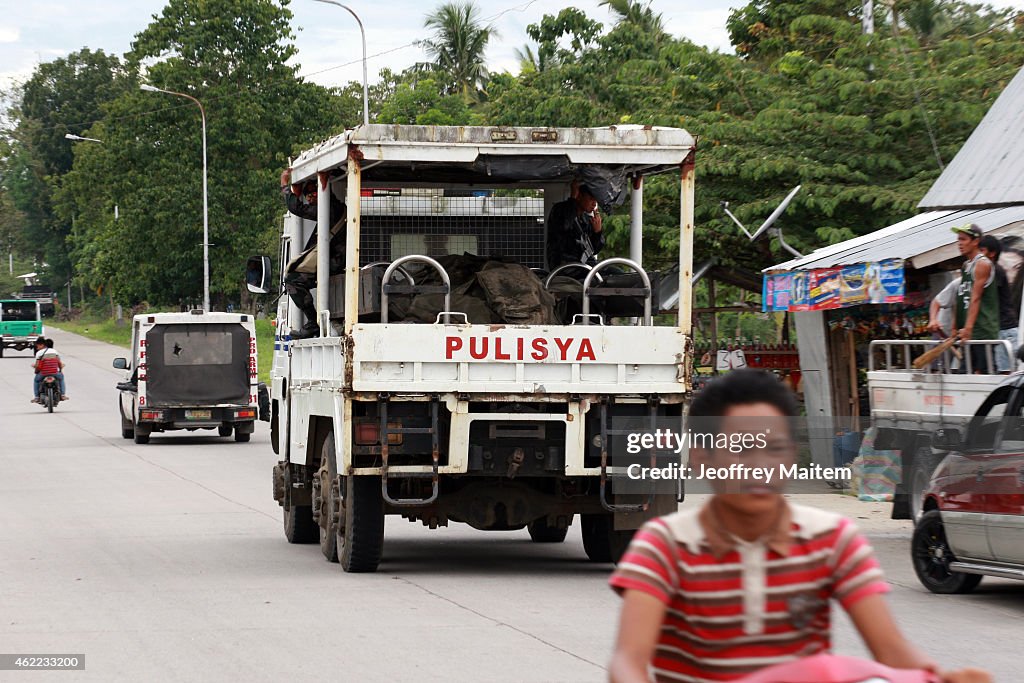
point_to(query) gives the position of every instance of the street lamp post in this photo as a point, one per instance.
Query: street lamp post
(206, 211)
(366, 96)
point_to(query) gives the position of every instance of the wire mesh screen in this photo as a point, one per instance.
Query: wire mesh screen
(400, 222)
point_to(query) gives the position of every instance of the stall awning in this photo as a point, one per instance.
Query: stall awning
(870, 269)
(919, 240)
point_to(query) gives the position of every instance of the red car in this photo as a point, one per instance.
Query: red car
(973, 511)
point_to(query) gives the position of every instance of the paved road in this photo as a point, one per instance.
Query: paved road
(167, 561)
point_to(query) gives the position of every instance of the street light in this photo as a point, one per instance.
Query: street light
(79, 138)
(206, 211)
(366, 97)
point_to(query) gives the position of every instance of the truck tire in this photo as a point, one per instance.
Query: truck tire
(361, 530)
(224, 430)
(932, 556)
(540, 532)
(601, 541)
(299, 525)
(242, 438)
(139, 437)
(323, 501)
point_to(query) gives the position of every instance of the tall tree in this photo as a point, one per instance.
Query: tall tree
(231, 55)
(635, 12)
(457, 47)
(62, 96)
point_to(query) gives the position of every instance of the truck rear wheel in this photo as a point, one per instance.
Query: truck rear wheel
(323, 501)
(224, 430)
(299, 526)
(242, 438)
(601, 541)
(541, 532)
(361, 528)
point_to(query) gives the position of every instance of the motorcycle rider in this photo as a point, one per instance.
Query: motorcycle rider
(47, 362)
(744, 582)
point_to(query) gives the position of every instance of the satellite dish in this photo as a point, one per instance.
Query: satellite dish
(768, 223)
(775, 214)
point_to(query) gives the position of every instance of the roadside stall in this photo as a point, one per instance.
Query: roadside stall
(877, 286)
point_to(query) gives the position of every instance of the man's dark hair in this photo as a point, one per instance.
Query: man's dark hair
(992, 243)
(743, 387)
(40, 341)
(585, 190)
(49, 343)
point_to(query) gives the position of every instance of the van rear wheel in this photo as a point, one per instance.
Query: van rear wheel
(224, 430)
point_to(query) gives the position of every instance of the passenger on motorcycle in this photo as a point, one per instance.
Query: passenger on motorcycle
(718, 592)
(47, 363)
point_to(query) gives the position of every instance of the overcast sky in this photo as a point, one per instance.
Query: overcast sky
(34, 31)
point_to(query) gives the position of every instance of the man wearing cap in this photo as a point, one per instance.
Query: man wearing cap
(574, 230)
(977, 301)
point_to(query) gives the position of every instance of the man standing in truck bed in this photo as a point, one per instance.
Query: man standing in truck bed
(977, 301)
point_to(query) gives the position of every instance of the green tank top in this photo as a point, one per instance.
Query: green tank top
(987, 324)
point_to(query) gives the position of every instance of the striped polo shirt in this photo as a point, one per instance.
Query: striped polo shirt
(733, 606)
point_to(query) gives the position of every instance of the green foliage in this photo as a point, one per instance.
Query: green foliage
(230, 55)
(457, 48)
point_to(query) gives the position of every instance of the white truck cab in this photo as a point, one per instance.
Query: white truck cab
(190, 371)
(424, 394)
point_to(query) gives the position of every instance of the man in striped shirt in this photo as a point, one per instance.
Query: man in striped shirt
(717, 593)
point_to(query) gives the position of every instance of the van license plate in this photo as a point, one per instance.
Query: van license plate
(197, 414)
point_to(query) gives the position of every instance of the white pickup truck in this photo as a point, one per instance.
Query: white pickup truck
(909, 405)
(452, 415)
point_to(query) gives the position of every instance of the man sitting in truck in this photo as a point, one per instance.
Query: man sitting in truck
(300, 276)
(575, 230)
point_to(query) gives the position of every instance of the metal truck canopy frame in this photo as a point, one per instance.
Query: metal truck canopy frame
(611, 160)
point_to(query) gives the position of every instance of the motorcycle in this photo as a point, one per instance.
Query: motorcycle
(827, 668)
(49, 393)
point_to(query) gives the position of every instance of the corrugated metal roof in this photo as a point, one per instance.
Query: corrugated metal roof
(989, 169)
(914, 237)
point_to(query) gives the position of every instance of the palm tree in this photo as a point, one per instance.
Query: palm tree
(458, 45)
(634, 12)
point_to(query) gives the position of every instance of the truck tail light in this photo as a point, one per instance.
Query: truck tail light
(250, 413)
(368, 433)
(152, 415)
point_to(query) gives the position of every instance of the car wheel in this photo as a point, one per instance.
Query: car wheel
(541, 532)
(601, 541)
(323, 501)
(127, 429)
(932, 556)
(139, 436)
